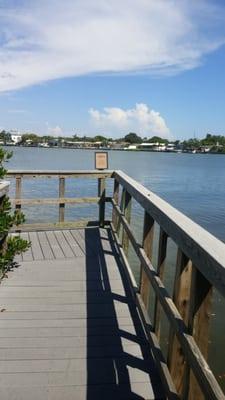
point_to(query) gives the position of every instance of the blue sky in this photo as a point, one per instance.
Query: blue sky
(153, 67)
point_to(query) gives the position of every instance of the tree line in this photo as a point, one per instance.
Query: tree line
(215, 143)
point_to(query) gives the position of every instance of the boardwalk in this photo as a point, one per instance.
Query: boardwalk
(69, 328)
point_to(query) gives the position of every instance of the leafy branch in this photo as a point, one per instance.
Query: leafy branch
(9, 245)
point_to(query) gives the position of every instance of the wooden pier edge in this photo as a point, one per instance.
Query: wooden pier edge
(200, 264)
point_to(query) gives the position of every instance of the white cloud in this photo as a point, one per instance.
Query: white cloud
(43, 40)
(54, 130)
(141, 119)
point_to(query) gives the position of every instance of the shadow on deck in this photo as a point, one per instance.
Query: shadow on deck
(70, 329)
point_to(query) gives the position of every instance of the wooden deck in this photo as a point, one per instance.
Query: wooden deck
(69, 328)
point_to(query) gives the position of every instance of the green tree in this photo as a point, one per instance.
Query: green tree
(133, 138)
(30, 137)
(9, 245)
(157, 139)
(5, 137)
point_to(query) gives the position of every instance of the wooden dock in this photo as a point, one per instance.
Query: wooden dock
(69, 327)
(74, 322)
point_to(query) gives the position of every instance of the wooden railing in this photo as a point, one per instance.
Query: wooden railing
(61, 201)
(200, 267)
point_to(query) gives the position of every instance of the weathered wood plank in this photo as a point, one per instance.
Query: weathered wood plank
(64, 244)
(181, 298)
(45, 246)
(54, 173)
(35, 245)
(61, 195)
(102, 195)
(148, 234)
(116, 199)
(73, 244)
(53, 201)
(108, 391)
(56, 249)
(199, 321)
(127, 215)
(18, 191)
(162, 250)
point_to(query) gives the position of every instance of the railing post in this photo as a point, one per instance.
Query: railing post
(127, 214)
(101, 194)
(116, 198)
(61, 195)
(181, 297)
(160, 271)
(18, 191)
(148, 233)
(199, 322)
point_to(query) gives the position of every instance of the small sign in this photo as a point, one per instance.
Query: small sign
(101, 160)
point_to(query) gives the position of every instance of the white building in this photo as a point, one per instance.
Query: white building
(16, 136)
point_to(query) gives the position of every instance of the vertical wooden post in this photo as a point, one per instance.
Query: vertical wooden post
(18, 191)
(116, 198)
(101, 194)
(61, 196)
(148, 233)
(160, 271)
(127, 214)
(181, 298)
(122, 205)
(199, 319)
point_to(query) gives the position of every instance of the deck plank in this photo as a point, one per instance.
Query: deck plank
(45, 246)
(73, 244)
(64, 244)
(69, 327)
(36, 248)
(56, 249)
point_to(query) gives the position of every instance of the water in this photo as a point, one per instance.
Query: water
(193, 183)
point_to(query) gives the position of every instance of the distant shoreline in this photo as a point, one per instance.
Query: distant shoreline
(110, 149)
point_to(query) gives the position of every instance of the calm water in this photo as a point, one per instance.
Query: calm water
(195, 184)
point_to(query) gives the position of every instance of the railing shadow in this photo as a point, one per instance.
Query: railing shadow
(119, 362)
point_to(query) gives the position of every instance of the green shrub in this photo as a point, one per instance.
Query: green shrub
(9, 245)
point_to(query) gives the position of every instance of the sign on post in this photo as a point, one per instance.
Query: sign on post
(101, 160)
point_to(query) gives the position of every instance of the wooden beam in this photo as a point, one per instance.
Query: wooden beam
(61, 195)
(148, 234)
(57, 226)
(56, 201)
(162, 250)
(18, 191)
(181, 297)
(199, 323)
(101, 194)
(116, 199)
(127, 215)
(54, 173)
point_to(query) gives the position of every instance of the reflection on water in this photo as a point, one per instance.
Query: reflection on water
(193, 183)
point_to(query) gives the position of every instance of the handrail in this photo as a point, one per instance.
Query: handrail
(60, 173)
(61, 201)
(200, 267)
(205, 250)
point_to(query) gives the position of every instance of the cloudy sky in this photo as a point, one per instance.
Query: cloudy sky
(110, 67)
